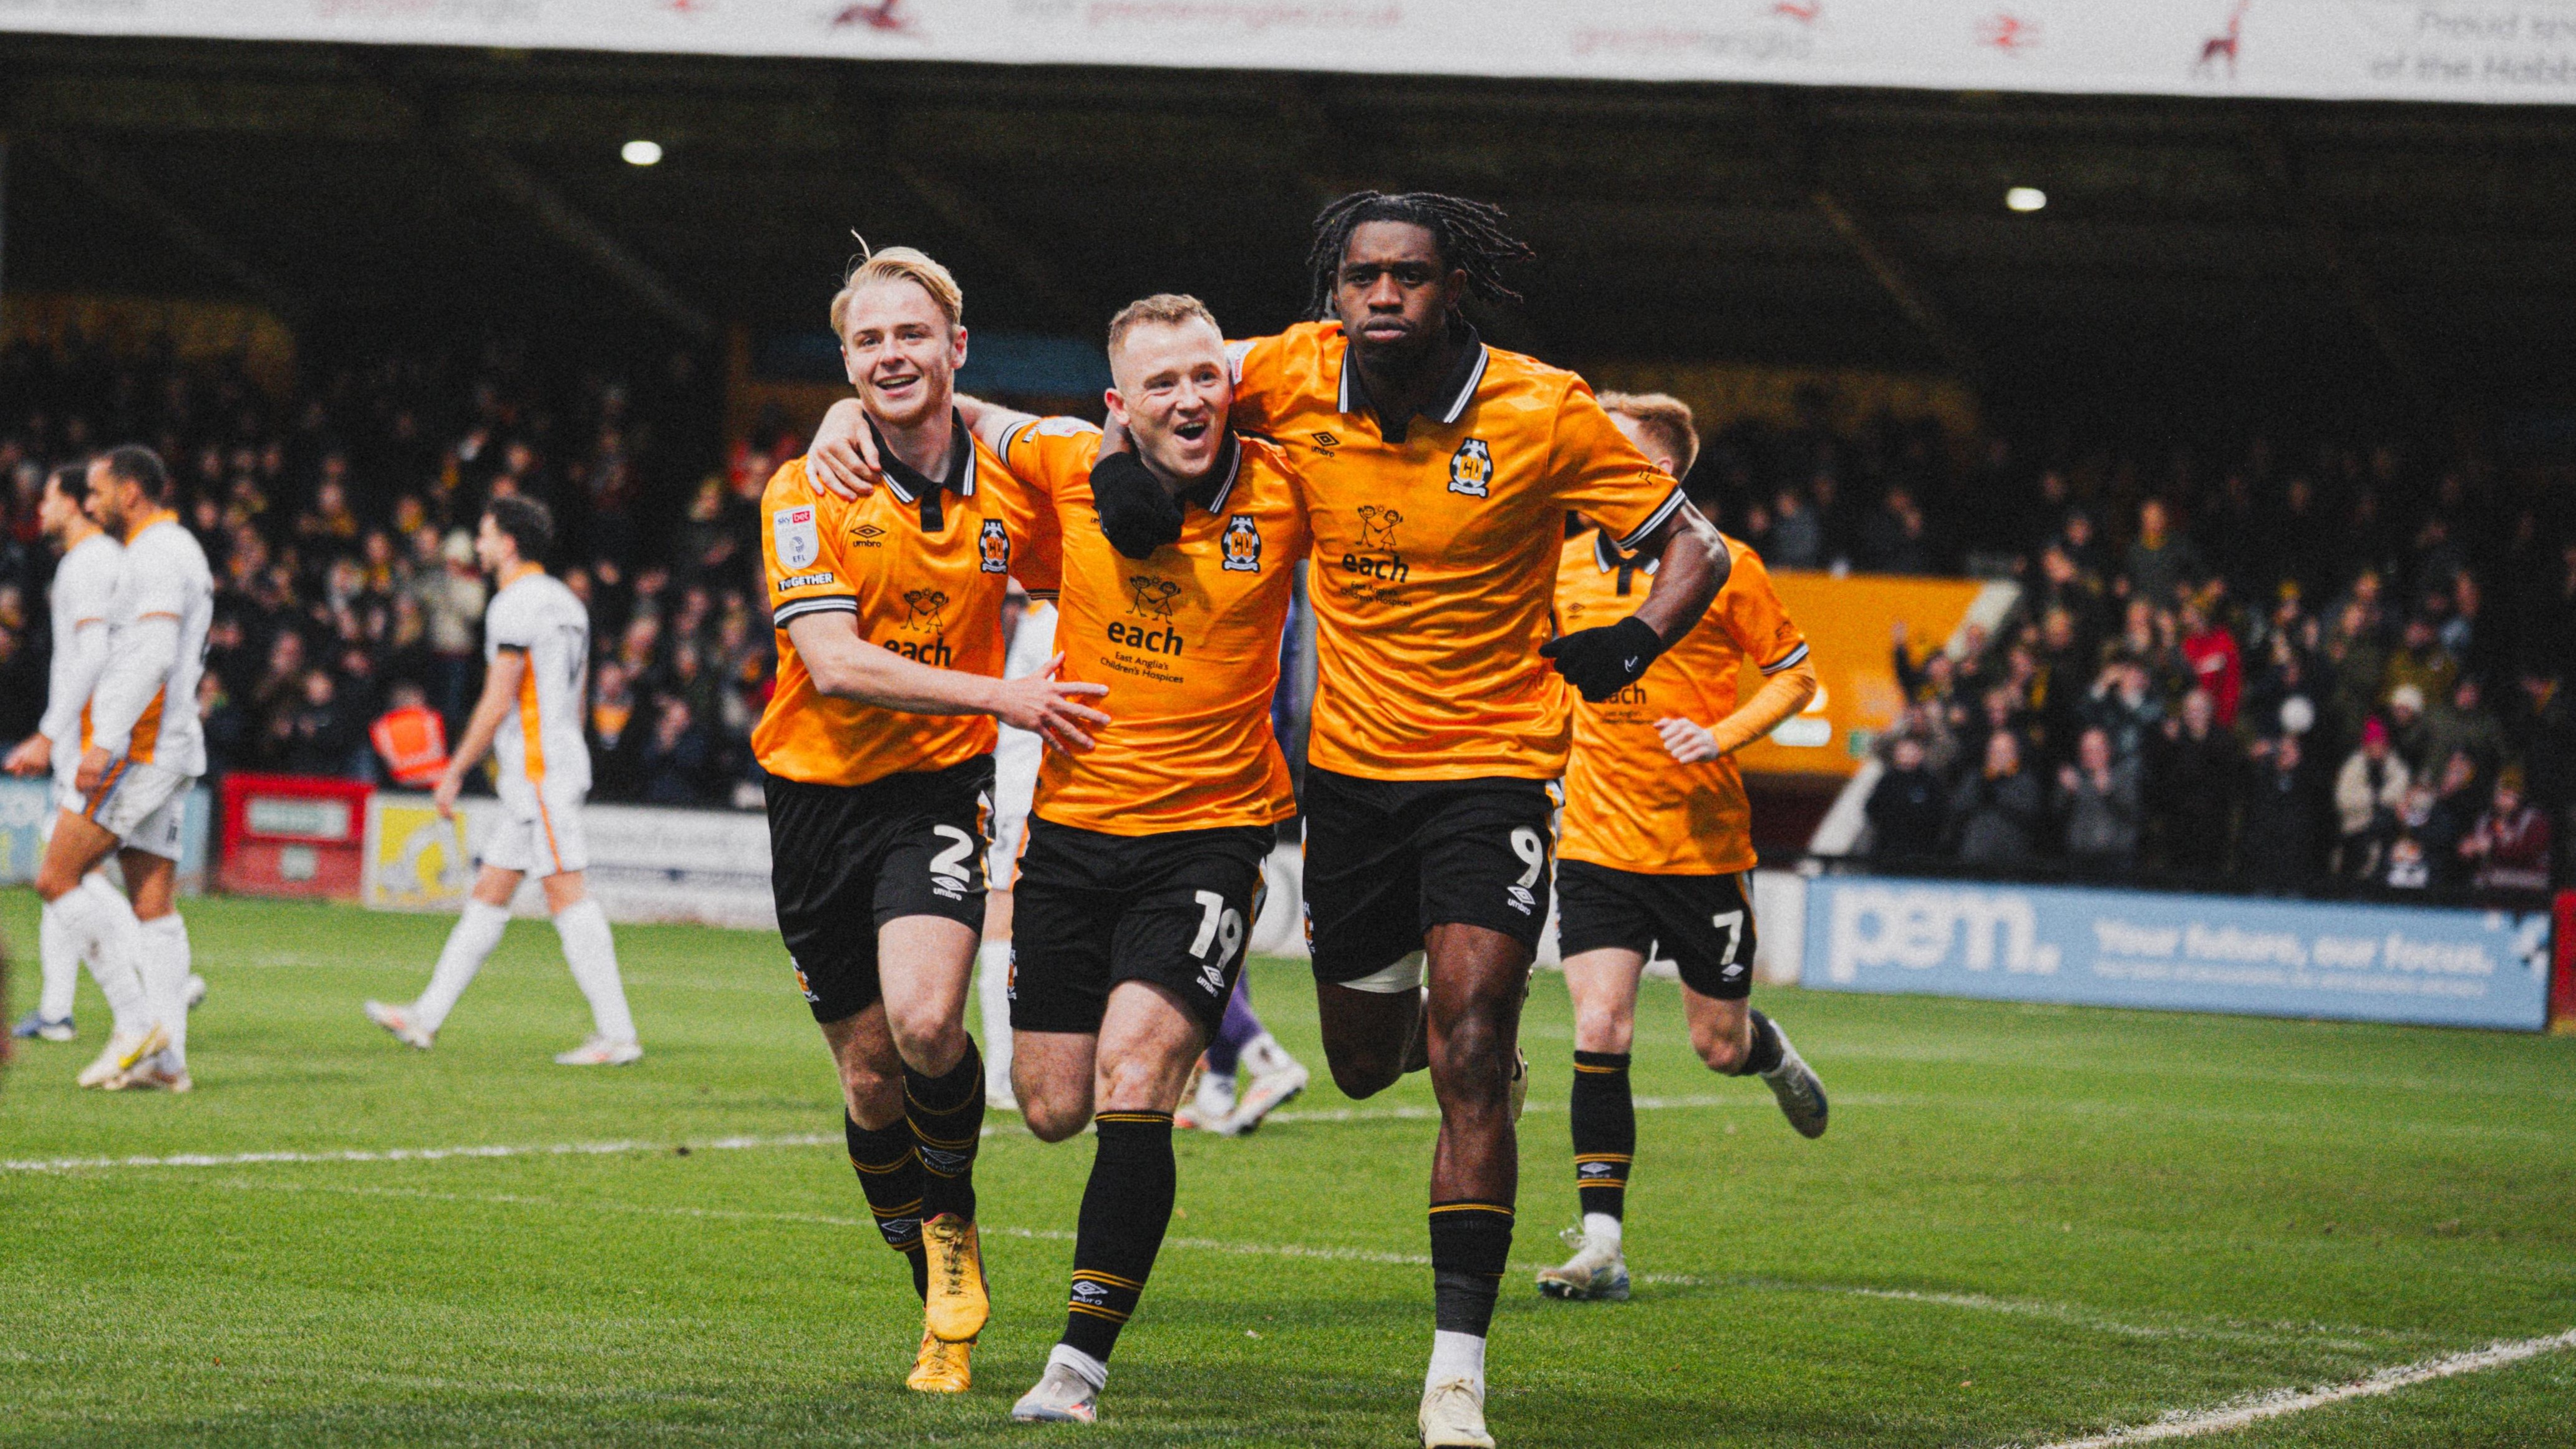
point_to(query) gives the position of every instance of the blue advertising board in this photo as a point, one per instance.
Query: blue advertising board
(2258, 957)
(25, 806)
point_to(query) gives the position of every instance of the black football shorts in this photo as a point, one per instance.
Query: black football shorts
(1701, 923)
(1090, 910)
(1387, 860)
(846, 859)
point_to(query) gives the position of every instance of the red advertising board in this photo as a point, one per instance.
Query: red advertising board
(294, 835)
(2562, 966)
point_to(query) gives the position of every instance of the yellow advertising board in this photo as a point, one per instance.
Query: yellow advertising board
(416, 861)
(1849, 623)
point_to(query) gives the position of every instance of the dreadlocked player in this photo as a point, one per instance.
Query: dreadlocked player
(1438, 473)
(1658, 842)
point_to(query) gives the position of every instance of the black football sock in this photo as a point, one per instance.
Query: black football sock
(1125, 1209)
(1605, 1132)
(891, 1177)
(1765, 1051)
(947, 1117)
(1471, 1245)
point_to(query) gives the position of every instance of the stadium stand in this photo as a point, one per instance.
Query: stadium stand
(2325, 663)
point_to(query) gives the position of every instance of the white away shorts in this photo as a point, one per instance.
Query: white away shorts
(540, 832)
(145, 806)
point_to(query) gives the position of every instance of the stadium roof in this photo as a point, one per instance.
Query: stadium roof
(2199, 250)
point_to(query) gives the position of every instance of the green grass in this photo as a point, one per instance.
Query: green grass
(2026, 1223)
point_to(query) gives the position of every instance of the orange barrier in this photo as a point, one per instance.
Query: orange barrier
(1847, 622)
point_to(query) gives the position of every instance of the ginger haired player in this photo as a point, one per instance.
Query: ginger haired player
(879, 749)
(1656, 848)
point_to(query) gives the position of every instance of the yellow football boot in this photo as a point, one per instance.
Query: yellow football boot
(940, 1367)
(957, 1306)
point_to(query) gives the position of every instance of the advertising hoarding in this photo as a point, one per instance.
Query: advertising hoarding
(2250, 956)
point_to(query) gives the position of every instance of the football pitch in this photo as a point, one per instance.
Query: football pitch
(2027, 1226)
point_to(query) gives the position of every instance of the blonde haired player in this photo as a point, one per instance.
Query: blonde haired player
(878, 744)
(146, 749)
(1656, 848)
(536, 652)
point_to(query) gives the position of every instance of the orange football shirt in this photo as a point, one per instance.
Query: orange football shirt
(1187, 641)
(1629, 804)
(931, 596)
(1435, 551)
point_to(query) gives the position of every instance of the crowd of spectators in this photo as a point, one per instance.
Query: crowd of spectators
(339, 522)
(2347, 674)
(2347, 668)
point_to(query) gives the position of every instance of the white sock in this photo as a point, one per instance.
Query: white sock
(1456, 1356)
(1216, 1095)
(1086, 1368)
(101, 927)
(60, 958)
(1603, 1229)
(477, 934)
(993, 996)
(165, 980)
(591, 952)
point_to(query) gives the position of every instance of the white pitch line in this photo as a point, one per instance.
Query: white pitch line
(719, 1144)
(411, 1154)
(2252, 1410)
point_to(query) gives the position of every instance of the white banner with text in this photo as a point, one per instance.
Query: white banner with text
(2513, 51)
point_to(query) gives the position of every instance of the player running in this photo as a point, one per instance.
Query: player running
(1437, 474)
(84, 592)
(879, 747)
(146, 748)
(536, 660)
(1657, 848)
(1143, 867)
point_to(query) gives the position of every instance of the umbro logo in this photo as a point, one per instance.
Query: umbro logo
(1595, 1169)
(1213, 979)
(1089, 1292)
(867, 534)
(1733, 971)
(1522, 900)
(1325, 443)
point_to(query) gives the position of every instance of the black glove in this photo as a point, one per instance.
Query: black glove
(1137, 515)
(1601, 662)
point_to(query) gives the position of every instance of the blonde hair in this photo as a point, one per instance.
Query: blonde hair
(1666, 419)
(1170, 309)
(899, 264)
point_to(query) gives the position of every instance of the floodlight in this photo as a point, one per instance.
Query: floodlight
(2025, 198)
(647, 153)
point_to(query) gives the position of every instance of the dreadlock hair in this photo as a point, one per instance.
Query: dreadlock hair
(1469, 234)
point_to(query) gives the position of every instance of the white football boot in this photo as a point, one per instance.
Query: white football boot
(1206, 1102)
(1453, 1416)
(599, 1051)
(121, 1054)
(1060, 1396)
(1268, 1093)
(1597, 1270)
(1801, 1095)
(406, 1028)
(153, 1073)
(196, 991)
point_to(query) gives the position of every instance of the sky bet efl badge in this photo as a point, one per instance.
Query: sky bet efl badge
(1471, 468)
(792, 529)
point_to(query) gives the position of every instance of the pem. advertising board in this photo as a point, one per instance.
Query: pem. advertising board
(2258, 957)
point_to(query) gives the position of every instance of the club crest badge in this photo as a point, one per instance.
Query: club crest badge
(1471, 468)
(1242, 545)
(995, 543)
